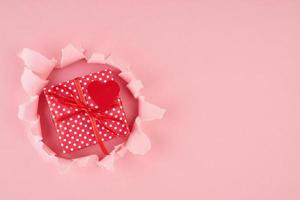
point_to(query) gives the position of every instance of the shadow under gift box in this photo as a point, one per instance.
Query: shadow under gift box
(80, 122)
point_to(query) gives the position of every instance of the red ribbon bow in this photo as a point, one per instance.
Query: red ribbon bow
(81, 106)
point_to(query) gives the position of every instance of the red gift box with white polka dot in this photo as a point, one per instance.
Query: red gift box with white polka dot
(78, 114)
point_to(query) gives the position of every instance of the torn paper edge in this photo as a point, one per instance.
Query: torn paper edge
(38, 63)
(71, 54)
(32, 83)
(97, 58)
(138, 142)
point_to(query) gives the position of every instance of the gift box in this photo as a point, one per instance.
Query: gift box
(87, 111)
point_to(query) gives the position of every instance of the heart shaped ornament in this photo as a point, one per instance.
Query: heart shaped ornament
(104, 94)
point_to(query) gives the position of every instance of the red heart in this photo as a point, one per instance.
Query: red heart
(104, 94)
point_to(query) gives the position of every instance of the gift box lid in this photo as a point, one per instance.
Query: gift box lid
(81, 116)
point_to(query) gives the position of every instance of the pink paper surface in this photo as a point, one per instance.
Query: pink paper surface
(227, 73)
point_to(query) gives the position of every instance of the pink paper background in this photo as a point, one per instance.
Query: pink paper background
(226, 71)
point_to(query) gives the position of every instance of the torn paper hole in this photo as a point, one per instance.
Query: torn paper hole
(138, 142)
(97, 58)
(148, 111)
(135, 86)
(38, 63)
(32, 83)
(28, 110)
(71, 54)
(32, 79)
